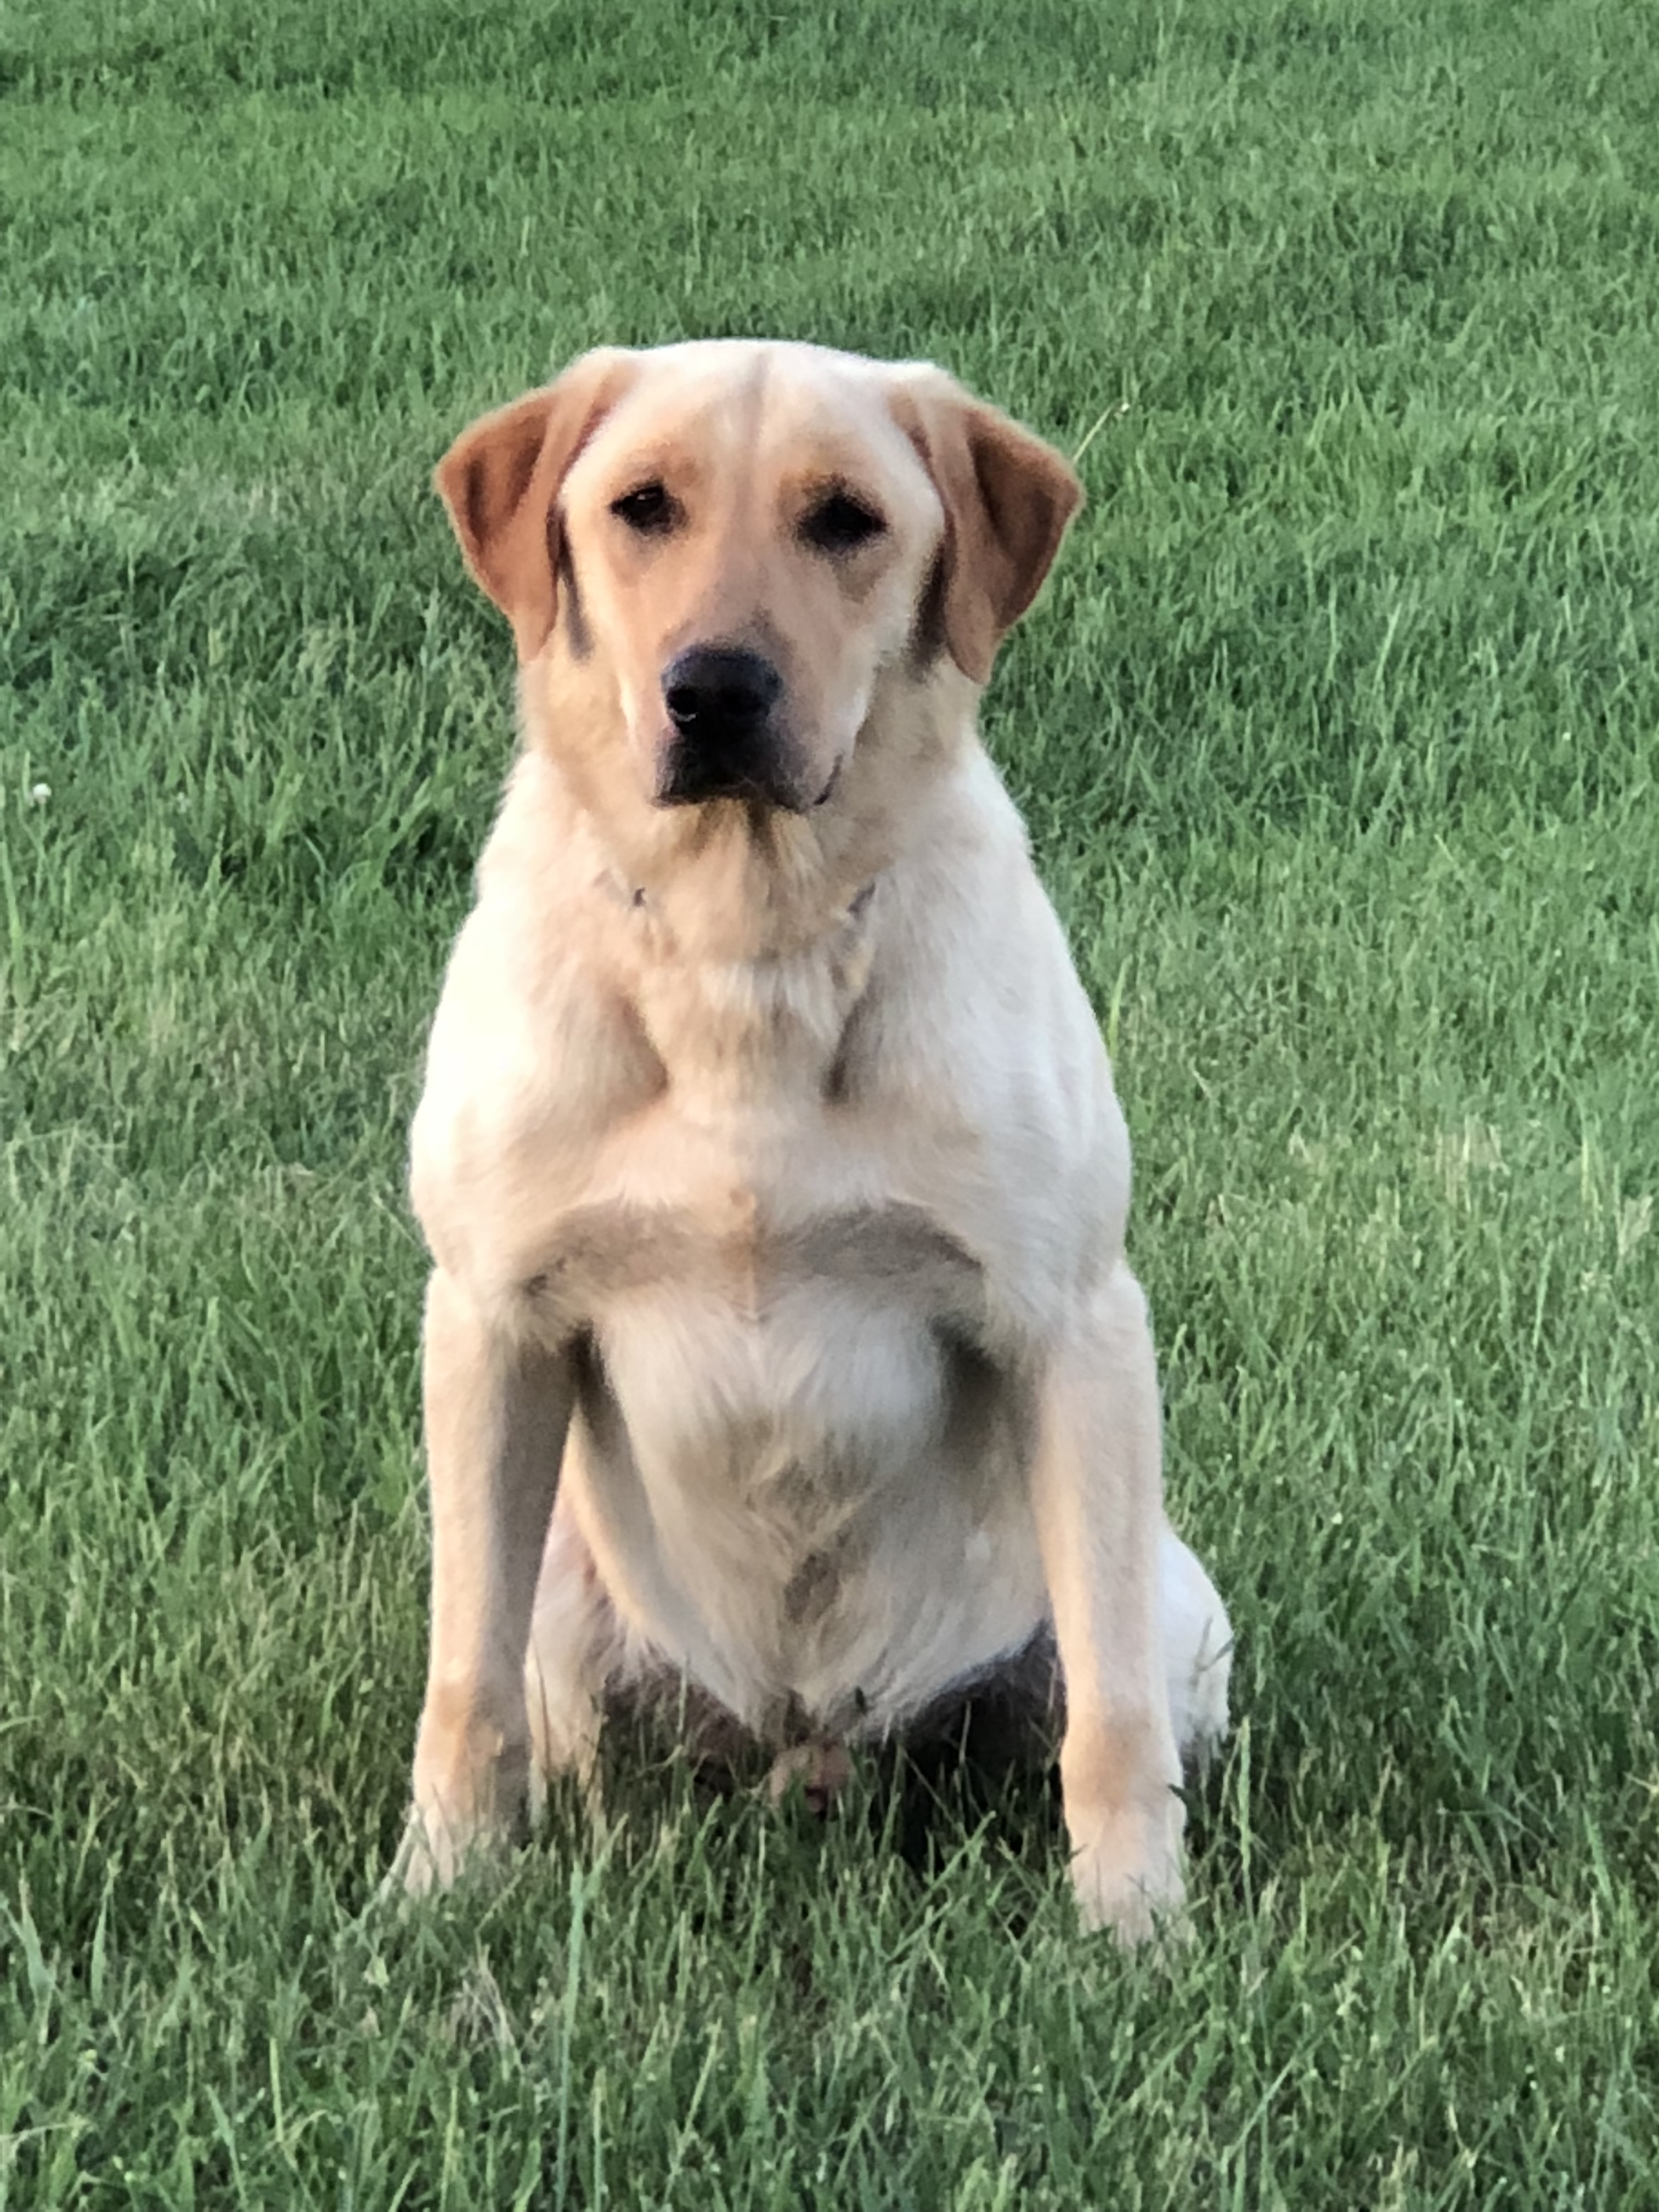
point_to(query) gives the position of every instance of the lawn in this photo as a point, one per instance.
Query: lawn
(1338, 733)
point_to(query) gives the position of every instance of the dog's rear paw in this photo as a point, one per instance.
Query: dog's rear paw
(1202, 1724)
(820, 1772)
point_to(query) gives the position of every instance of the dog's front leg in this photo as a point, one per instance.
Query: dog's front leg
(496, 1413)
(1098, 1496)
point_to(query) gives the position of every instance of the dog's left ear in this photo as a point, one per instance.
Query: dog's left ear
(501, 482)
(1007, 499)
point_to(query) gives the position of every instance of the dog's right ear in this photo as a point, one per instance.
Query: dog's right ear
(501, 481)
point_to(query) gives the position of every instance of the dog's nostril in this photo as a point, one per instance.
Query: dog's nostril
(713, 688)
(686, 704)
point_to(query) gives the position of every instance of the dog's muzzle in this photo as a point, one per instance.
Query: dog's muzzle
(724, 739)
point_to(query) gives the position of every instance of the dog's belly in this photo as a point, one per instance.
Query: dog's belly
(800, 1482)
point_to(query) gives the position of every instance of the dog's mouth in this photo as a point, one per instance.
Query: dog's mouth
(700, 786)
(755, 775)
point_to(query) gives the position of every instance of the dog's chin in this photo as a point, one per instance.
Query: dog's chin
(738, 791)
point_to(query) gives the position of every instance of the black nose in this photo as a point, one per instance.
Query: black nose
(715, 693)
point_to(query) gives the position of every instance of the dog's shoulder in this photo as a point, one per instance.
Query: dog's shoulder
(529, 1047)
(976, 1052)
(974, 984)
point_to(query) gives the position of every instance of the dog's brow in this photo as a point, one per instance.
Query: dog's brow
(646, 464)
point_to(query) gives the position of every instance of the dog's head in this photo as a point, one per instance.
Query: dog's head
(738, 544)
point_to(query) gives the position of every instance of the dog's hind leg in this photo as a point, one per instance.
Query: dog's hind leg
(573, 1644)
(1198, 1652)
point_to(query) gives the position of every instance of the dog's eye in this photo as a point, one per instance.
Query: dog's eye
(647, 508)
(840, 524)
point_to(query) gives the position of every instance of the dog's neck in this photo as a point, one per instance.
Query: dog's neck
(751, 1028)
(746, 887)
(745, 957)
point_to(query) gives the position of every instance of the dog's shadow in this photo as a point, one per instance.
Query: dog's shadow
(979, 1782)
(982, 1779)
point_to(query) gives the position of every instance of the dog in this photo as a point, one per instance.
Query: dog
(780, 1342)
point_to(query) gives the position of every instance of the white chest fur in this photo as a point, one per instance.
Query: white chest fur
(796, 1454)
(796, 1459)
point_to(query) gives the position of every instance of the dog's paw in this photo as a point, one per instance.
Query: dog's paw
(818, 1771)
(436, 1852)
(1127, 1877)
(1201, 1715)
(426, 1860)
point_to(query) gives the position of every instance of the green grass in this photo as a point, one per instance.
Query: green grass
(1338, 735)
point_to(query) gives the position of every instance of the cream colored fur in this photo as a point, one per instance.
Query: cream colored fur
(781, 1332)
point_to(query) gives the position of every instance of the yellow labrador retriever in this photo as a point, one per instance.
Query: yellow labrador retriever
(780, 1339)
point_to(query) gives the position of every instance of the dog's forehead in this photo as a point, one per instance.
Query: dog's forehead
(760, 402)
